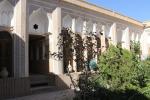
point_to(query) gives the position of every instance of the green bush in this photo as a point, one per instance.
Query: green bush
(122, 70)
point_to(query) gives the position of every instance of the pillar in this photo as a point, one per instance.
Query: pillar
(74, 57)
(94, 28)
(126, 40)
(144, 45)
(103, 45)
(84, 33)
(73, 25)
(21, 40)
(94, 41)
(57, 67)
(113, 32)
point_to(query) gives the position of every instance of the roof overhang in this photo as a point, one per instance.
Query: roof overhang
(86, 5)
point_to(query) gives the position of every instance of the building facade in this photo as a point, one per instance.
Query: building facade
(29, 31)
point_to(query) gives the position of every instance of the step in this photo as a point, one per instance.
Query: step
(42, 80)
(43, 89)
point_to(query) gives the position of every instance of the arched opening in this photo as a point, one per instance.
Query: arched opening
(89, 26)
(38, 42)
(67, 21)
(38, 22)
(6, 52)
(6, 12)
(79, 25)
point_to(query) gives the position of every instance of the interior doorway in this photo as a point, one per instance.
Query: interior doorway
(38, 54)
(6, 44)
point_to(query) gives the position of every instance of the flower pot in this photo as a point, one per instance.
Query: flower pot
(4, 72)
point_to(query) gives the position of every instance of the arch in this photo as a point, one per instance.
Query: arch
(6, 13)
(38, 22)
(137, 37)
(89, 26)
(132, 36)
(99, 29)
(119, 35)
(79, 25)
(107, 32)
(6, 52)
(67, 21)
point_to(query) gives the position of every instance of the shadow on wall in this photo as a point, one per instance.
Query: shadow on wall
(12, 52)
(12, 57)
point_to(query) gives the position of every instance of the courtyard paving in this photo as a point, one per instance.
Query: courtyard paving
(56, 95)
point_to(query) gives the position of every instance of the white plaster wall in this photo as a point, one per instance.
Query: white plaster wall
(145, 43)
(50, 25)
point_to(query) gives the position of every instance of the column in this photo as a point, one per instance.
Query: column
(74, 57)
(84, 33)
(21, 40)
(94, 28)
(113, 34)
(103, 46)
(74, 25)
(126, 40)
(144, 44)
(57, 67)
(94, 41)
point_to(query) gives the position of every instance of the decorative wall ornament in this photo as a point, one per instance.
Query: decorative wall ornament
(6, 13)
(35, 26)
(38, 22)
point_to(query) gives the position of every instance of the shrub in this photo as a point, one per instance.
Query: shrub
(122, 70)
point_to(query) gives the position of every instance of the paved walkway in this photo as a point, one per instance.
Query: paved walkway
(57, 95)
